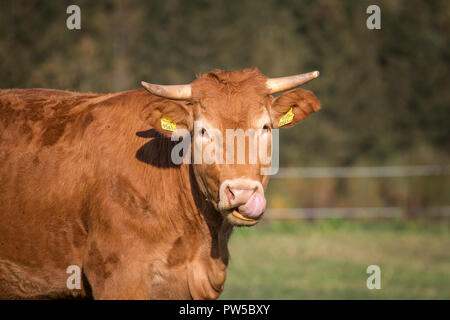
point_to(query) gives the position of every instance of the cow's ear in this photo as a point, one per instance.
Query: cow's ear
(292, 107)
(167, 116)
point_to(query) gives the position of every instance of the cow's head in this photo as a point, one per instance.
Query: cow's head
(217, 108)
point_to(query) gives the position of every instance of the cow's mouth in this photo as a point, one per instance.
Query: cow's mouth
(238, 219)
(249, 213)
(240, 216)
(243, 206)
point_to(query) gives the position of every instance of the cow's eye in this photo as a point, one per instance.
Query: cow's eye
(204, 133)
(266, 128)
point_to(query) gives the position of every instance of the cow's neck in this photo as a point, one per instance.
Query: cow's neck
(195, 235)
(199, 236)
(209, 282)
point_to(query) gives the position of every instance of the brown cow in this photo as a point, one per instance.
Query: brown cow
(88, 180)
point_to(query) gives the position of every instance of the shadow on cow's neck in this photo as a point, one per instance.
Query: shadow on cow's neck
(219, 228)
(156, 152)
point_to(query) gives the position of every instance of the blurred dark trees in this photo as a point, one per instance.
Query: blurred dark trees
(385, 93)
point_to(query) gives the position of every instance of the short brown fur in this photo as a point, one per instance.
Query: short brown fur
(87, 180)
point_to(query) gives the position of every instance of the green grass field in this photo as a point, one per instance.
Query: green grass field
(328, 260)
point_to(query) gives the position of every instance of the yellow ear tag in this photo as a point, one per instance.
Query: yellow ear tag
(168, 124)
(287, 118)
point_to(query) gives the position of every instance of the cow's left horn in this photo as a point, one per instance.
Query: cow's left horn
(182, 91)
(285, 83)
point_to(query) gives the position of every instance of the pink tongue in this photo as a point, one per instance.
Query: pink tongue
(254, 207)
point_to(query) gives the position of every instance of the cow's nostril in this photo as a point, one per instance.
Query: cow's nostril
(230, 193)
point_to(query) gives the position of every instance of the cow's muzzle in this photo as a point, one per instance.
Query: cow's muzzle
(243, 199)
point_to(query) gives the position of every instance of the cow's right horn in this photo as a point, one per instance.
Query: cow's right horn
(182, 91)
(285, 83)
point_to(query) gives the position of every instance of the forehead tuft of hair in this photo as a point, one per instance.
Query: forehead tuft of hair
(222, 83)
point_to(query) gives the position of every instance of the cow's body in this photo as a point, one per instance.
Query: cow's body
(88, 180)
(85, 182)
